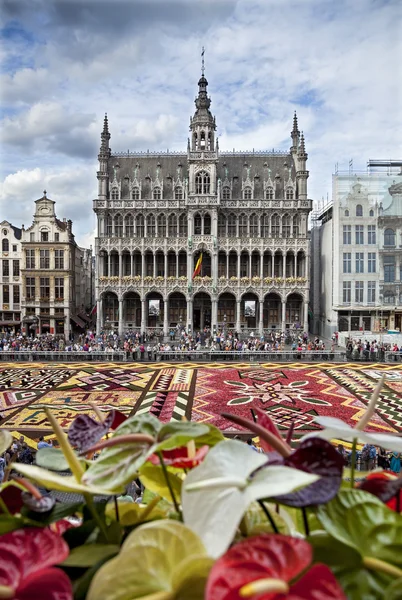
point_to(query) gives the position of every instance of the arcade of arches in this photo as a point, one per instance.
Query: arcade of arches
(131, 313)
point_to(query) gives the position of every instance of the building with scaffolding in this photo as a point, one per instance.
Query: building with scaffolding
(202, 238)
(357, 285)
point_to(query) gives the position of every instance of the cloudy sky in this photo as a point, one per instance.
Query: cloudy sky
(66, 63)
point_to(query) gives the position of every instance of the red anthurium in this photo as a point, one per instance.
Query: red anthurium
(181, 458)
(27, 557)
(263, 568)
(386, 486)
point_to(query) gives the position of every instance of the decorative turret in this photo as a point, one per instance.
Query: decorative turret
(301, 171)
(295, 134)
(103, 156)
(203, 123)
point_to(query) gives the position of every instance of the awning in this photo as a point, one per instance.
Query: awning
(8, 323)
(78, 322)
(84, 317)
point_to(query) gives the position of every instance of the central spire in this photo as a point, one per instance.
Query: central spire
(202, 101)
(203, 123)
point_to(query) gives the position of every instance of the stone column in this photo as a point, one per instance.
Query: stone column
(284, 265)
(305, 315)
(132, 264)
(177, 264)
(295, 267)
(109, 264)
(154, 265)
(238, 316)
(165, 319)
(99, 308)
(250, 258)
(67, 324)
(261, 314)
(142, 265)
(283, 315)
(165, 265)
(261, 265)
(227, 265)
(272, 265)
(120, 317)
(120, 264)
(238, 266)
(214, 323)
(143, 321)
(190, 315)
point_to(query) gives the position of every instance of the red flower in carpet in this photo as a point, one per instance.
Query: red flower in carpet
(263, 567)
(386, 486)
(181, 458)
(27, 557)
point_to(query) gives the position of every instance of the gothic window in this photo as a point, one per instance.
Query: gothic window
(115, 194)
(195, 141)
(210, 141)
(109, 226)
(202, 140)
(359, 210)
(150, 226)
(202, 183)
(140, 225)
(118, 226)
(157, 194)
(243, 226)
(226, 193)
(232, 225)
(247, 193)
(197, 224)
(286, 226)
(161, 226)
(289, 194)
(346, 213)
(371, 213)
(389, 237)
(207, 224)
(265, 225)
(129, 225)
(183, 225)
(178, 193)
(221, 225)
(269, 194)
(172, 226)
(136, 193)
(275, 226)
(253, 225)
(5, 245)
(295, 226)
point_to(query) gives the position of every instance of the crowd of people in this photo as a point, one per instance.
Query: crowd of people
(370, 457)
(358, 349)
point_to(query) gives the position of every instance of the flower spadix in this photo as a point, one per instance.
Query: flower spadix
(216, 494)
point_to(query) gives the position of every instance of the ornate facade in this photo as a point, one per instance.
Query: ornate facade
(10, 277)
(245, 212)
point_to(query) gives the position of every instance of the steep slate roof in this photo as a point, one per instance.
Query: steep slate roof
(17, 230)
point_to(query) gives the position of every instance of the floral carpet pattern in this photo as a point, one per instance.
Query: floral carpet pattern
(200, 392)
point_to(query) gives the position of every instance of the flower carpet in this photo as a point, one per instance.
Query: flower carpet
(199, 392)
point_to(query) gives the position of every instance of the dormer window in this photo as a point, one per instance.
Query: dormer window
(346, 213)
(371, 213)
(359, 210)
(157, 194)
(44, 236)
(5, 245)
(247, 193)
(135, 194)
(115, 194)
(226, 193)
(289, 194)
(178, 193)
(202, 183)
(269, 194)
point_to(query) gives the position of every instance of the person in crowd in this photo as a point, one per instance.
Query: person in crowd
(368, 457)
(395, 463)
(383, 460)
(3, 465)
(43, 444)
(25, 455)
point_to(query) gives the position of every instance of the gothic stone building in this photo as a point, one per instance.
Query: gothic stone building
(245, 212)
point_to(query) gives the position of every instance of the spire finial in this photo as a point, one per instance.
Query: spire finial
(302, 146)
(202, 62)
(44, 193)
(295, 122)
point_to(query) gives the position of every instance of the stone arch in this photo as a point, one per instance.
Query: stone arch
(154, 309)
(272, 311)
(177, 309)
(132, 309)
(110, 307)
(226, 310)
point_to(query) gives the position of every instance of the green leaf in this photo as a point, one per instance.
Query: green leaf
(131, 514)
(153, 479)
(298, 384)
(217, 493)
(162, 559)
(9, 523)
(178, 433)
(51, 458)
(316, 401)
(255, 521)
(213, 437)
(59, 511)
(242, 400)
(6, 439)
(394, 591)
(82, 584)
(52, 481)
(89, 554)
(146, 423)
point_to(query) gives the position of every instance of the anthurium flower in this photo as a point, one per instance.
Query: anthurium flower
(181, 458)
(386, 486)
(314, 455)
(27, 557)
(162, 560)
(265, 567)
(216, 494)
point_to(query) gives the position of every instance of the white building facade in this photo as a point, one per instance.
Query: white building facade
(10, 277)
(352, 295)
(241, 216)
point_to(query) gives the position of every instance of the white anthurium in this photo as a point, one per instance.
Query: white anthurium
(336, 429)
(216, 494)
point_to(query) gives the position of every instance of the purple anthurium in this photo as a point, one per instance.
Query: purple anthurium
(318, 457)
(84, 431)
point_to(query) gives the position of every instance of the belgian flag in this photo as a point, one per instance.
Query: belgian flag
(197, 269)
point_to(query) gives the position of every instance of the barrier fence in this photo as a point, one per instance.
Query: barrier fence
(62, 357)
